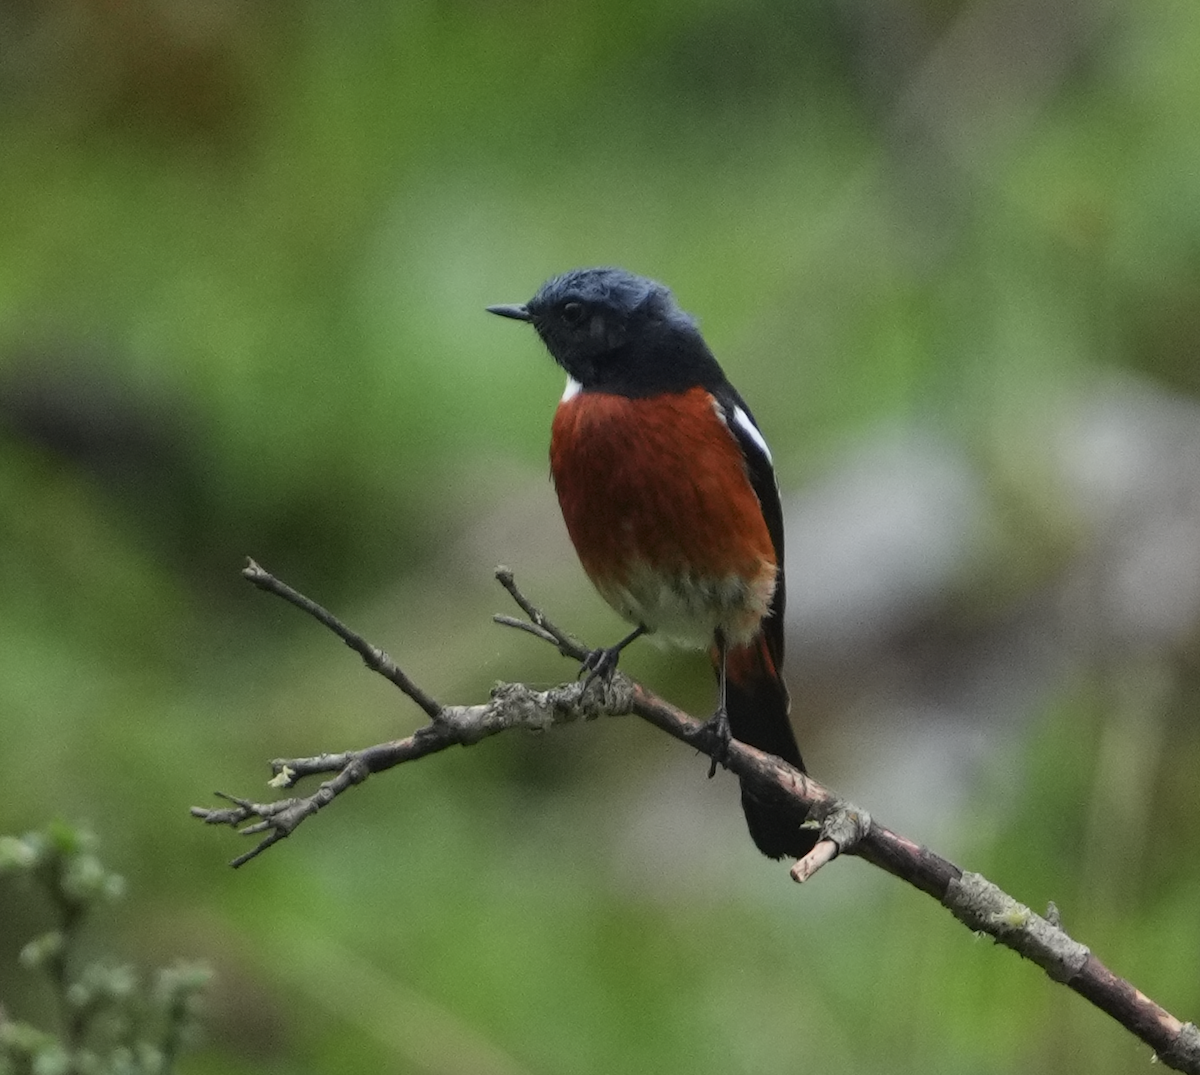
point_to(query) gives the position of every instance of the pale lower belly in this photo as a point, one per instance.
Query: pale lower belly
(687, 609)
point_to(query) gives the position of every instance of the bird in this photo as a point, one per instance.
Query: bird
(668, 491)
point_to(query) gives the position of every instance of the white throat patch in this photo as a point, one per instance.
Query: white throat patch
(572, 390)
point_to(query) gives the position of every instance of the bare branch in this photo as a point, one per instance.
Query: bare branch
(539, 624)
(512, 705)
(844, 828)
(373, 657)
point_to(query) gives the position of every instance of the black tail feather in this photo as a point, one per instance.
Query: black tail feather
(757, 703)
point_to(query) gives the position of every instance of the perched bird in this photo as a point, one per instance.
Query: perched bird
(669, 496)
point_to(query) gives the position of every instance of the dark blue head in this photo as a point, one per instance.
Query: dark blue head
(614, 331)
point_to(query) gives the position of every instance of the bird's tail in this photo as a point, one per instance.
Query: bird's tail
(757, 703)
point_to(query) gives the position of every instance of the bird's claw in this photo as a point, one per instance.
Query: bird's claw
(716, 727)
(599, 664)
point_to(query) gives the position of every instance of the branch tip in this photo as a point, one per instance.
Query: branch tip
(824, 852)
(285, 777)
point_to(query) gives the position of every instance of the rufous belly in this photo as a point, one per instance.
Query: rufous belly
(656, 499)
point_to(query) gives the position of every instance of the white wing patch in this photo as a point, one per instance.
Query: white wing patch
(752, 431)
(572, 390)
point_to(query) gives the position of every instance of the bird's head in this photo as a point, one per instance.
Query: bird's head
(596, 322)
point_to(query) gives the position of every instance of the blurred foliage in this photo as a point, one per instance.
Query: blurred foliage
(244, 250)
(111, 1022)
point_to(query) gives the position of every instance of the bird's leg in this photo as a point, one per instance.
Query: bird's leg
(602, 663)
(718, 724)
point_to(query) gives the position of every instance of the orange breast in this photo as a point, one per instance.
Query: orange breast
(657, 502)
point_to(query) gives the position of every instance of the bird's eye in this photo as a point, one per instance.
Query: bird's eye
(573, 313)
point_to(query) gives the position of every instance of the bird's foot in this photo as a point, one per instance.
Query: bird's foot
(716, 728)
(599, 664)
(602, 663)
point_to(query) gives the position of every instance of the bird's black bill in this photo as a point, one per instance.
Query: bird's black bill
(517, 311)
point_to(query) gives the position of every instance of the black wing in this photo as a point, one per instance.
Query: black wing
(761, 473)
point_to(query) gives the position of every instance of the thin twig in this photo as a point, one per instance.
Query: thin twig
(373, 657)
(512, 705)
(539, 623)
(527, 627)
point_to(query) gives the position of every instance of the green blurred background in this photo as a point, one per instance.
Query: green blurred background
(950, 253)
